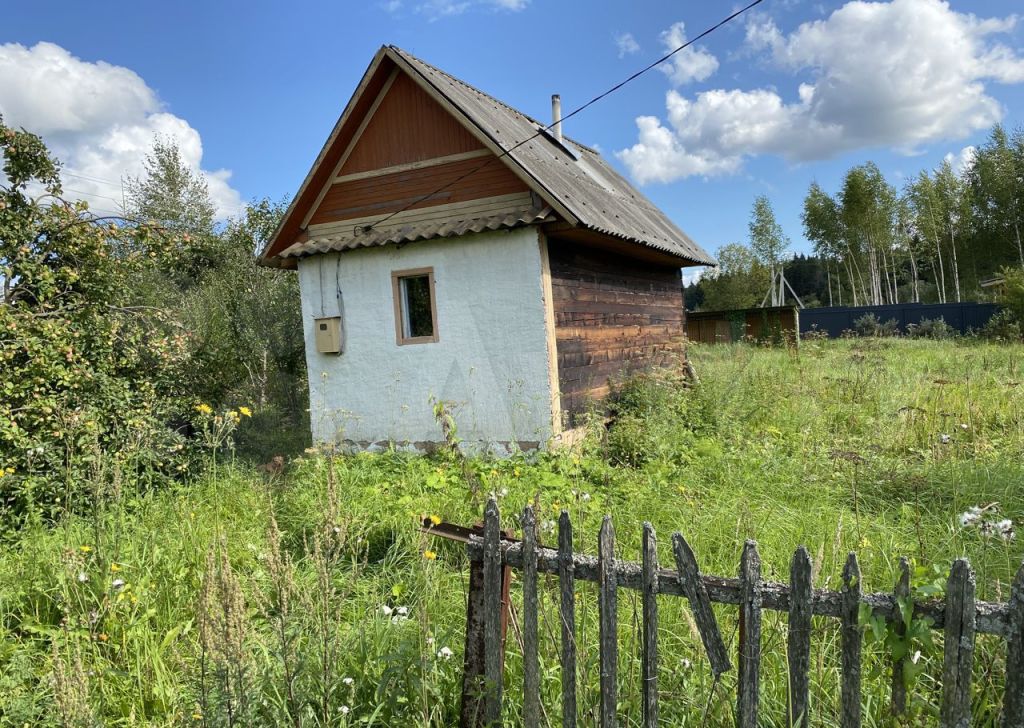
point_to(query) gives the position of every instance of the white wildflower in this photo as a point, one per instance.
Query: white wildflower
(685, 663)
(585, 497)
(1004, 529)
(430, 641)
(945, 439)
(83, 577)
(117, 583)
(964, 426)
(347, 681)
(915, 657)
(971, 516)
(445, 653)
(402, 611)
(344, 710)
(386, 610)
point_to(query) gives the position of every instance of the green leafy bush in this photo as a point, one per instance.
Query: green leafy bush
(86, 369)
(936, 328)
(1003, 326)
(869, 325)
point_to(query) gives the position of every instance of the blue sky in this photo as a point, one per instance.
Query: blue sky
(793, 92)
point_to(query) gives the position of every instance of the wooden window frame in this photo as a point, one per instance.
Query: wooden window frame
(396, 290)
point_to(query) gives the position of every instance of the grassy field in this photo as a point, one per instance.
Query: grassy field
(311, 599)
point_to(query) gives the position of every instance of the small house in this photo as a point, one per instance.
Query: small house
(457, 259)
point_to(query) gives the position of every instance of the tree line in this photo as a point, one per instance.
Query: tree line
(935, 240)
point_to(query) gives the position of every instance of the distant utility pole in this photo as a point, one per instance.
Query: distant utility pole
(777, 290)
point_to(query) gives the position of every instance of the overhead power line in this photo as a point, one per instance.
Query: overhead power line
(91, 194)
(574, 112)
(65, 173)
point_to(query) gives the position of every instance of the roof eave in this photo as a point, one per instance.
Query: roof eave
(483, 136)
(265, 258)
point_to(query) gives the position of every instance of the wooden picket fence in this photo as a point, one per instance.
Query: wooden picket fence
(493, 554)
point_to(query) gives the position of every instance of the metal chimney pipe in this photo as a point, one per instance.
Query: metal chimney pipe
(556, 116)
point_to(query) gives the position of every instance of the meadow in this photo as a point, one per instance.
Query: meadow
(311, 598)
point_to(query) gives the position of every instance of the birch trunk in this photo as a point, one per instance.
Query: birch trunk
(956, 265)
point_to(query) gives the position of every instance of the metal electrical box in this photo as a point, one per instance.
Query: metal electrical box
(328, 334)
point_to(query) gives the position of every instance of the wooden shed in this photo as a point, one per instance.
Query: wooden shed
(450, 250)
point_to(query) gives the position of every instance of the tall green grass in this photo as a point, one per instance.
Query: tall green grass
(867, 445)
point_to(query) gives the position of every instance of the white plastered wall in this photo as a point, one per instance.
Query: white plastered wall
(490, 362)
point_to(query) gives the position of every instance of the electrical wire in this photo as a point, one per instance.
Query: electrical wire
(539, 132)
(92, 194)
(65, 173)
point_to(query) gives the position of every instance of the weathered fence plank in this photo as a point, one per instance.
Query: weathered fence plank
(649, 665)
(991, 617)
(799, 638)
(851, 643)
(531, 666)
(960, 616)
(750, 637)
(492, 614)
(607, 603)
(1013, 700)
(566, 569)
(471, 709)
(700, 603)
(958, 649)
(901, 594)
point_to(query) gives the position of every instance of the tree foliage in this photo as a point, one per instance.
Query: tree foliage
(86, 367)
(245, 319)
(113, 331)
(739, 281)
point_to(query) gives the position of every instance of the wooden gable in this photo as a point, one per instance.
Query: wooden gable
(407, 148)
(407, 126)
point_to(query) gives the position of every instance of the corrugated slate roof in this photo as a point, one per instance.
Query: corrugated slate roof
(588, 187)
(421, 231)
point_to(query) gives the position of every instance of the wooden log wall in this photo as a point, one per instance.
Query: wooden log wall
(613, 315)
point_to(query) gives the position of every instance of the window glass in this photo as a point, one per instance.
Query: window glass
(417, 311)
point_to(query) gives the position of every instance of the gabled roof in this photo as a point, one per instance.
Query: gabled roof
(572, 179)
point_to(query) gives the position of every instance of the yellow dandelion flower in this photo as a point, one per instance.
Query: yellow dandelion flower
(204, 409)
(435, 519)
(430, 555)
(245, 411)
(115, 567)
(515, 472)
(85, 549)
(103, 637)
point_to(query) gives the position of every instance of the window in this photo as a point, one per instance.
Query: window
(415, 306)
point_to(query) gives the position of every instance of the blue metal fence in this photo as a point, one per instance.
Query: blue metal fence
(834, 320)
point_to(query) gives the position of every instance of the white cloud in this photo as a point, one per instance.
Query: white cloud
(626, 44)
(693, 275)
(898, 74)
(689, 64)
(962, 159)
(436, 9)
(100, 120)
